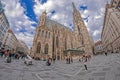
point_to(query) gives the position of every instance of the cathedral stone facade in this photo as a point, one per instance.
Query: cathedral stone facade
(52, 38)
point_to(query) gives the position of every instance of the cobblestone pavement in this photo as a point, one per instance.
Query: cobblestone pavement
(100, 67)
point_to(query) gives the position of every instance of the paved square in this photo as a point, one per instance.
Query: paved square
(99, 68)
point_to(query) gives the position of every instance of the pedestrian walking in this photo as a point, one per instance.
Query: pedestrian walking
(84, 59)
(68, 60)
(80, 59)
(54, 58)
(106, 53)
(8, 56)
(48, 61)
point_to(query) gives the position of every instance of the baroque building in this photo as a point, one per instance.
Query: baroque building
(111, 27)
(52, 38)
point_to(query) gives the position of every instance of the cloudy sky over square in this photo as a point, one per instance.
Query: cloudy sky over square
(23, 15)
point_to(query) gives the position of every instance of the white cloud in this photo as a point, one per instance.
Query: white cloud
(97, 17)
(86, 11)
(18, 20)
(26, 37)
(55, 17)
(96, 32)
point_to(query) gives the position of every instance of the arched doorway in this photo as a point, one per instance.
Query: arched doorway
(38, 48)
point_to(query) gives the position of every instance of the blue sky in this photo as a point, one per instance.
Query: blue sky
(23, 15)
(28, 5)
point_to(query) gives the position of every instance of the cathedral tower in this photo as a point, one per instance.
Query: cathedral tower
(42, 19)
(80, 31)
(41, 23)
(53, 39)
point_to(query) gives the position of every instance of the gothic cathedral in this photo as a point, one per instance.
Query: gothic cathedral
(52, 38)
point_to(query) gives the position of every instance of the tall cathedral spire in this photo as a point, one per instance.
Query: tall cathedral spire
(74, 8)
(76, 14)
(80, 31)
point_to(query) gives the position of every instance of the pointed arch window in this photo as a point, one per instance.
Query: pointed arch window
(46, 49)
(82, 39)
(57, 42)
(65, 43)
(78, 30)
(39, 34)
(42, 33)
(38, 48)
(49, 34)
(46, 34)
(53, 41)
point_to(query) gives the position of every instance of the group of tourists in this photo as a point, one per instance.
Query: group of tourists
(69, 59)
(8, 55)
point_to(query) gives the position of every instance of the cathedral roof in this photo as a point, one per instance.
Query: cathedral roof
(49, 23)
